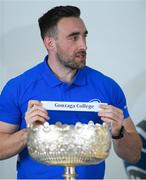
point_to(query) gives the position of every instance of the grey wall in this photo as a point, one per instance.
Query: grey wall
(116, 46)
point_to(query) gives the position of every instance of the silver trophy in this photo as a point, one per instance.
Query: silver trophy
(69, 145)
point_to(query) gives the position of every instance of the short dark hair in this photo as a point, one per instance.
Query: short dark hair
(49, 20)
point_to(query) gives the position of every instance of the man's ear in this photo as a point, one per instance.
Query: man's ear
(49, 42)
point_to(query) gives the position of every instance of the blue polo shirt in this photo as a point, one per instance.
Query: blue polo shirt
(40, 83)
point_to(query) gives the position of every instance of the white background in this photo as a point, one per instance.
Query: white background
(116, 46)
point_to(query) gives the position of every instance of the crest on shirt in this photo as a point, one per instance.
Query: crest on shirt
(95, 100)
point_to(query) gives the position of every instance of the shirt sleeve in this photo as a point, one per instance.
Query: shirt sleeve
(9, 107)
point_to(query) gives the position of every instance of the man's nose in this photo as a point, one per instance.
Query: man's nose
(82, 44)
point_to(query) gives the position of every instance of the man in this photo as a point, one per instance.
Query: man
(63, 76)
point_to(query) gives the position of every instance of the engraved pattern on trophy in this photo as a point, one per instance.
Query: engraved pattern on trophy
(69, 145)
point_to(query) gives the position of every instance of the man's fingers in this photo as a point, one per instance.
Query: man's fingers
(109, 113)
(35, 112)
(35, 119)
(112, 115)
(109, 108)
(31, 103)
(37, 109)
(31, 115)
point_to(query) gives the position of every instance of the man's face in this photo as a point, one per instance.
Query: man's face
(71, 43)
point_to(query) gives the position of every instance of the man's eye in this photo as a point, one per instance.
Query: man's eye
(75, 38)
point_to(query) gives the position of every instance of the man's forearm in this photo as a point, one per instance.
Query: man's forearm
(12, 144)
(129, 147)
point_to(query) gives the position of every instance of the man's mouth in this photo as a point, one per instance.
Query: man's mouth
(81, 55)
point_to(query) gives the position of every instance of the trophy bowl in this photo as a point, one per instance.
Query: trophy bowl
(69, 145)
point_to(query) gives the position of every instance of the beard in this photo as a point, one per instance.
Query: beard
(74, 62)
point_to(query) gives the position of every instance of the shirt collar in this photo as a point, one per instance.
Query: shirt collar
(52, 79)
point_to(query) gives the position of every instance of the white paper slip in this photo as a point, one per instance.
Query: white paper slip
(71, 106)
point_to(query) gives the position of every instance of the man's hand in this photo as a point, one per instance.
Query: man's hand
(129, 147)
(35, 112)
(113, 115)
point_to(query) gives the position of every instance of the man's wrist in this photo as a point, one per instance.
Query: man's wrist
(120, 135)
